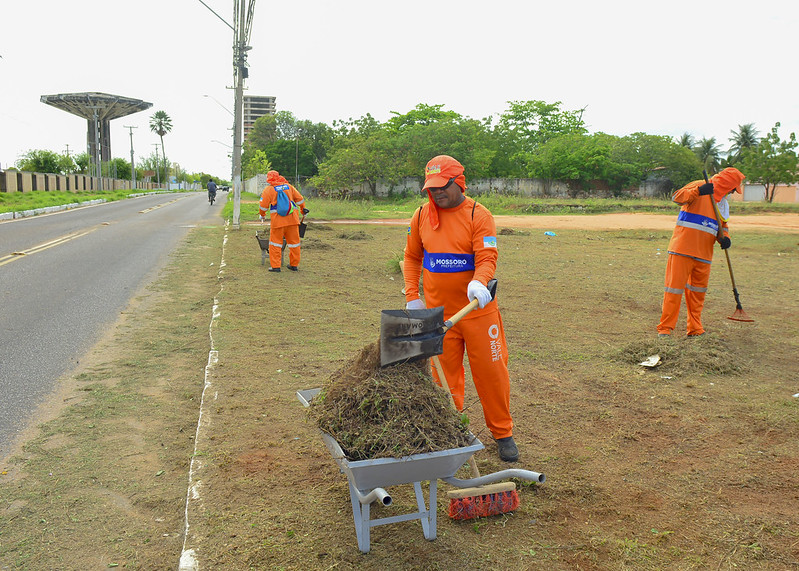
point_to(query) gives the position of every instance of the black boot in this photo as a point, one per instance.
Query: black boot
(507, 449)
(294, 268)
(274, 269)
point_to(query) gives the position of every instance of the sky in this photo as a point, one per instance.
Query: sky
(665, 68)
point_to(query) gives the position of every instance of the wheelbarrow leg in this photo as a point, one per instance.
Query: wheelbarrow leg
(360, 513)
(427, 515)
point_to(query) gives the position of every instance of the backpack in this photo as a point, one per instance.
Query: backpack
(284, 204)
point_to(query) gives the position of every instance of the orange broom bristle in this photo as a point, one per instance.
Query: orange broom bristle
(483, 505)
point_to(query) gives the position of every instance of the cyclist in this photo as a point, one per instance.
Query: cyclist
(211, 191)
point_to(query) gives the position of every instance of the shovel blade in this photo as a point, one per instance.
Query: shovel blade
(410, 334)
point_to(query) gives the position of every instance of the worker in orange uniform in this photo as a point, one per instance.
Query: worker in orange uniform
(453, 240)
(282, 226)
(691, 247)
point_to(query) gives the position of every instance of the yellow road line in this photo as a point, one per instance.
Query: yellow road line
(41, 247)
(146, 210)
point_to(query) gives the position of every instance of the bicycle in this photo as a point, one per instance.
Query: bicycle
(211, 198)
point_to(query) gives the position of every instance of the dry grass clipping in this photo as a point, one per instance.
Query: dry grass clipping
(387, 413)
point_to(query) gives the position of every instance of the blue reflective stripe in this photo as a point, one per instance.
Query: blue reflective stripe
(697, 222)
(692, 257)
(444, 263)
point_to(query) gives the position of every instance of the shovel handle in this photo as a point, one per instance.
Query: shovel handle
(440, 370)
(450, 323)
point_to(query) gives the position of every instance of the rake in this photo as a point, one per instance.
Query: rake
(739, 314)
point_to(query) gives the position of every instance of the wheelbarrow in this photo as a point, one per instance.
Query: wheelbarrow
(263, 241)
(368, 479)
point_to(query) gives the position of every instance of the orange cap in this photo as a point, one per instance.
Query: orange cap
(440, 170)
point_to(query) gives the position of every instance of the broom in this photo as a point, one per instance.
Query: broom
(482, 501)
(739, 314)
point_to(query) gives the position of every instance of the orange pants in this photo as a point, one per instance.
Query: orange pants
(292, 235)
(484, 340)
(689, 275)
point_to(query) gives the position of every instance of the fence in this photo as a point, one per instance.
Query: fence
(21, 181)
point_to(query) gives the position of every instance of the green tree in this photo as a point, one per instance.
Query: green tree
(161, 124)
(151, 163)
(686, 140)
(42, 161)
(356, 159)
(82, 162)
(117, 168)
(656, 156)
(745, 138)
(257, 164)
(771, 162)
(526, 125)
(709, 154)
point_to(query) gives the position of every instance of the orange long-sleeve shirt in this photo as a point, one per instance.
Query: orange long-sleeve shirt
(268, 203)
(462, 249)
(697, 228)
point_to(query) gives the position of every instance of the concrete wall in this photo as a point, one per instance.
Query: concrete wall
(756, 192)
(16, 181)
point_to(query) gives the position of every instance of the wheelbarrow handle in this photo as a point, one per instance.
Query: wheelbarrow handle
(450, 323)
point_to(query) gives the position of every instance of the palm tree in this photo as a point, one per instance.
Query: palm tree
(745, 138)
(708, 152)
(686, 140)
(161, 124)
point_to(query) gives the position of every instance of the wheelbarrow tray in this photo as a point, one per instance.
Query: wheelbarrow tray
(382, 472)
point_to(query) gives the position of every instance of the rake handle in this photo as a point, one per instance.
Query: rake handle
(720, 234)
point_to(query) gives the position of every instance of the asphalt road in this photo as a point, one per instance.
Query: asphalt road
(65, 278)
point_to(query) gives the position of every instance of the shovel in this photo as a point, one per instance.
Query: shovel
(410, 334)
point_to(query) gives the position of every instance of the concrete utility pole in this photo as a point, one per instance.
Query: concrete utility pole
(132, 166)
(242, 18)
(157, 168)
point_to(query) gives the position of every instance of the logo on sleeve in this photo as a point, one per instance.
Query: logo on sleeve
(409, 230)
(490, 242)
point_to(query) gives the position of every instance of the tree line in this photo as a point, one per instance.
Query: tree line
(530, 139)
(46, 161)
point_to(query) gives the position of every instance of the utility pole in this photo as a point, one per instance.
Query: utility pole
(132, 166)
(242, 19)
(157, 168)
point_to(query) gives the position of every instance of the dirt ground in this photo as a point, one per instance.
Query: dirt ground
(693, 464)
(624, 221)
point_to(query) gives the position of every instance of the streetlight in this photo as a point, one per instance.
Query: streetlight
(218, 103)
(241, 34)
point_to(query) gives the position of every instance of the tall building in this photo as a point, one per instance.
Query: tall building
(256, 106)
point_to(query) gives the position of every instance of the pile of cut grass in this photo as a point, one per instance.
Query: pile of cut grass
(387, 413)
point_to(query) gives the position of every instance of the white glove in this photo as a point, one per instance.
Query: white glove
(478, 291)
(415, 304)
(261, 218)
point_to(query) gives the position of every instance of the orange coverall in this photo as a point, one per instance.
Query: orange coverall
(691, 249)
(280, 227)
(463, 248)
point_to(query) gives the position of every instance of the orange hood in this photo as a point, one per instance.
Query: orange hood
(727, 181)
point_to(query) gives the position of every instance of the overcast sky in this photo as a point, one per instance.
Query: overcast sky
(697, 66)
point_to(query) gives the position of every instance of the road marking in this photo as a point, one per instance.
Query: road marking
(41, 247)
(146, 210)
